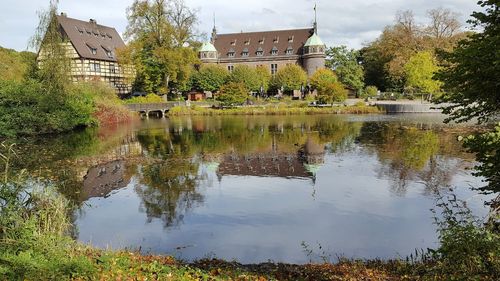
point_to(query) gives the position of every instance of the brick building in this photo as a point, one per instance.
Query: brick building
(272, 49)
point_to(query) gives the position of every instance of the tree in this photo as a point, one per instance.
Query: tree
(471, 87)
(329, 88)
(232, 94)
(322, 77)
(264, 77)
(246, 75)
(370, 92)
(385, 58)
(290, 77)
(420, 70)
(345, 63)
(162, 44)
(209, 78)
(471, 74)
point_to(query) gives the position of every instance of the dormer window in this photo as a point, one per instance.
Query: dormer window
(289, 51)
(108, 51)
(233, 43)
(245, 52)
(93, 49)
(276, 39)
(261, 41)
(260, 52)
(274, 51)
(109, 36)
(231, 53)
(89, 32)
(79, 30)
(290, 39)
(247, 42)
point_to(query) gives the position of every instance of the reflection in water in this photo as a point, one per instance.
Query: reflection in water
(241, 186)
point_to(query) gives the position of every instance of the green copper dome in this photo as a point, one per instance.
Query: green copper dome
(314, 40)
(208, 47)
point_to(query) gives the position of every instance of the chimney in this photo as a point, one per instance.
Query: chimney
(93, 21)
(64, 15)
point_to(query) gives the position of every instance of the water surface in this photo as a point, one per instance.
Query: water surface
(265, 188)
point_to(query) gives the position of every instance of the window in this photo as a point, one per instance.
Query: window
(276, 39)
(230, 68)
(274, 68)
(233, 43)
(93, 50)
(247, 42)
(95, 67)
(231, 53)
(260, 52)
(112, 68)
(274, 51)
(245, 52)
(290, 39)
(261, 41)
(108, 51)
(79, 30)
(289, 51)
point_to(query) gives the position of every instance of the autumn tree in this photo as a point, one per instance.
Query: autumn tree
(232, 94)
(420, 71)
(329, 89)
(264, 77)
(385, 58)
(162, 44)
(289, 78)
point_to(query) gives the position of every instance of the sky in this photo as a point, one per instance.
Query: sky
(352, 23)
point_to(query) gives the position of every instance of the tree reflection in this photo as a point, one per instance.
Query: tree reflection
(411, 154)
(168, 190)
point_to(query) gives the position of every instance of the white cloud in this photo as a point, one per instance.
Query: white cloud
(349, 23)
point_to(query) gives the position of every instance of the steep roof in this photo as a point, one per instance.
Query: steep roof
(208, 47)
(87, 35)
(280, 40)
(314, 40)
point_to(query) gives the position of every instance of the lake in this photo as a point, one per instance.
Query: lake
(257, 188)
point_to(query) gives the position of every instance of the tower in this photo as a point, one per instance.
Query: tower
(208, 53)
(314, 56)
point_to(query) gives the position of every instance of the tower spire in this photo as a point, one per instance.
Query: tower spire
(315, 20)
(214, 33)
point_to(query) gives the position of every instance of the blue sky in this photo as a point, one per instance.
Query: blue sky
(350, 23)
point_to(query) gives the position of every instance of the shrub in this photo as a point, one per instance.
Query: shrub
(150, 98)
(332, 92)
(322, 77)
(233, 94)
(370, 92)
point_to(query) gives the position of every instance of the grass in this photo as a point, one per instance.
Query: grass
(278, 109)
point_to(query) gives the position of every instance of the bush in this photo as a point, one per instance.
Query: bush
(332, 92)
(27, 108)
(468, 248)
(247, 76)
(370, 92)
(209, 78)
(322, 77)
(150, 98)
(233, 94)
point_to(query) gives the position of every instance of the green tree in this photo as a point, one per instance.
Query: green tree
(209, 78)
(264, 77)
(290, 77)
(345, 63)
(232, 94)
(420, 70)
(246, 75)
(162, 44)
(471, 87)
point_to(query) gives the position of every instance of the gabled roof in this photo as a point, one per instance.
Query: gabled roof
(85, 34)
(266, 40)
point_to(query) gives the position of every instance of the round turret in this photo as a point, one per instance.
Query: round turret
(314, 54)
(208, 53)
